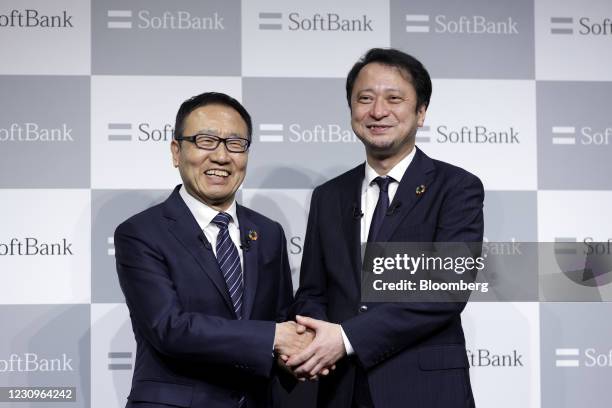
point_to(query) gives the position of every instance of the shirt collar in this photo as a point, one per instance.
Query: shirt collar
(397, 172)
(203, 213)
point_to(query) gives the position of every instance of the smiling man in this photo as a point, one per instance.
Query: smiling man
(206, 279)
(387, 354)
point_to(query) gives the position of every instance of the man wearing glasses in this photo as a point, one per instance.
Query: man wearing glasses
(205, 279)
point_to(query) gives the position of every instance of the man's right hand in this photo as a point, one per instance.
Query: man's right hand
(291, 338)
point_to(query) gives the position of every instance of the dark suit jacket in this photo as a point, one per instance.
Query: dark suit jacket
(191, 349)
(413, 353)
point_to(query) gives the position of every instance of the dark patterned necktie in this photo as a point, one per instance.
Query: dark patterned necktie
(382, 205)
(229, 262)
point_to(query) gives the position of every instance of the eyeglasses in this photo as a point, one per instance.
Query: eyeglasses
(211, 142)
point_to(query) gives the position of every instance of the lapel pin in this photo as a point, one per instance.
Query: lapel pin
(420, 189)
(253, 235)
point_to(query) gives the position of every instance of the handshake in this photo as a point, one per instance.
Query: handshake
(308, 348)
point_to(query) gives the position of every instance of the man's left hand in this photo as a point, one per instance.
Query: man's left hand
(326, 348)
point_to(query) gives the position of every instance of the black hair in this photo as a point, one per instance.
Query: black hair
(416, 73)
(210, 98)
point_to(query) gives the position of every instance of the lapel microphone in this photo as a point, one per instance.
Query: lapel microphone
(394, 208)
(357, 213)
(245, 243)
(205, 241)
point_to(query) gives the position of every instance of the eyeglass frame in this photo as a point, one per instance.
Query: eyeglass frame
(220, 140)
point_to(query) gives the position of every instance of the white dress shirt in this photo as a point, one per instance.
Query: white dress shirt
(369, 197)
(204, 216)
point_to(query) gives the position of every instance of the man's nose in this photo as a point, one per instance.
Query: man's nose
(380, 108)
(220, 154)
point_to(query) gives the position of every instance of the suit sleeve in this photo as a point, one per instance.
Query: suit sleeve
(285, 295)
(158, 315)
(391, 327)
(311, 298)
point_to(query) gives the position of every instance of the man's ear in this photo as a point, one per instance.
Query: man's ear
(421, 111)
(175, 148)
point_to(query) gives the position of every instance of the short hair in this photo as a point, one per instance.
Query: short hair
(407, 64)
(210, 98)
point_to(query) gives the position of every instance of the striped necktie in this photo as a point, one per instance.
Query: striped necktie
(229, 262)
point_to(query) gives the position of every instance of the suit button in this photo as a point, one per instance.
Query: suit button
(363, 309)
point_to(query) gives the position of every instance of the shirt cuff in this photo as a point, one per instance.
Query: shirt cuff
(347, 344)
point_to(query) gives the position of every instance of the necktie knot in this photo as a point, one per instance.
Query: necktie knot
(383, 183)
(222, 220)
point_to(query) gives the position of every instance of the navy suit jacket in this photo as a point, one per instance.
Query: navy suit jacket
(413, 354)
(191, 349)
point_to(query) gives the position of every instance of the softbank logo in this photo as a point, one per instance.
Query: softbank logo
(119, 19)
(142, 132)
(585, 26)
(31, 18)
(296, 133)
(566, 246)
(567, 357)
(564, 135)
(590, 357)
(110, 250)
(33, 132)
(424, 134)
(167, 20)
(443, 24)
(273, 20)
(472, 134)
(119, 132)
(268, 133)
(270, 21)
(119, 360)
(585, 135)
(32, 362)
(417, 23)
(562, 25)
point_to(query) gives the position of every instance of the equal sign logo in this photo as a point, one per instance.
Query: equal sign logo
(120, 360)
(271, 127)
(566, 246)
(110, 251)
(119, 132)
(423, 135)
(564, 135)
(270, 21)
(119, 19)
(564, 357)
(417, 23)
(561, 25)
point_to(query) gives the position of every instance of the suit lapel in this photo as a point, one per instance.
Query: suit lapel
(421, 172)
(186, 230)
(350, 213)
(250, 252)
